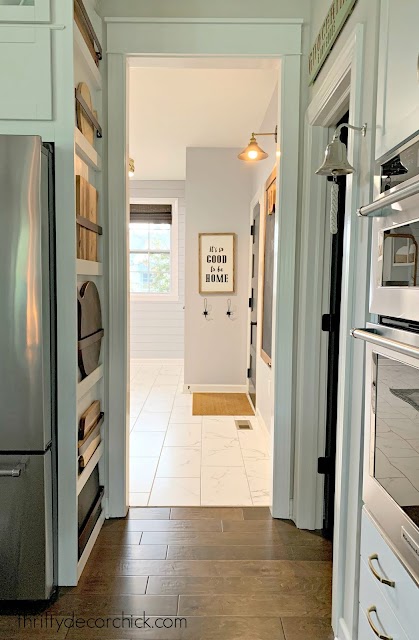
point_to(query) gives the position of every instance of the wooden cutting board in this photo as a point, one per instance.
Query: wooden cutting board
(78, 19)
(87, 207)
(88, 419)
(89, 326)
(83, 123)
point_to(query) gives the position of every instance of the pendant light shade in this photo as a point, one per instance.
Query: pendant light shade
(252, 152)
(335, 160)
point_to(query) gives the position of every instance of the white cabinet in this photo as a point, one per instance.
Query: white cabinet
(398, 81)
(376, 617)
(25, 10)
(25, 75)
(386, 585)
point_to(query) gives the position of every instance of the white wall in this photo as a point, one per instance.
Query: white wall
(157, 327)
(218, 192)
(262, 170)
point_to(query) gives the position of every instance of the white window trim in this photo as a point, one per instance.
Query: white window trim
(173, 296)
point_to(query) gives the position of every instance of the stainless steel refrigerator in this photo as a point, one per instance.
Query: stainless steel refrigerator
(27, 370)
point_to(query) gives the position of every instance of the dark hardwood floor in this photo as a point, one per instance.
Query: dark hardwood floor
(203, 574)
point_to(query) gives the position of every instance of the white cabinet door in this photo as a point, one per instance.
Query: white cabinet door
(398, 83)
(25, 75)
(25, 10)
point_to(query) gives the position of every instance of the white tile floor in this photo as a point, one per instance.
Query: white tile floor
(177, 459)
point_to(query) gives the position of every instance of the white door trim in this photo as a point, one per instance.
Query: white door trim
(118, 295)
(284, 337)
(345, 78)
(229, 38)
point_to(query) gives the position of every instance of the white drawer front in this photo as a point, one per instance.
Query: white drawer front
(404, 596)
(379, 617)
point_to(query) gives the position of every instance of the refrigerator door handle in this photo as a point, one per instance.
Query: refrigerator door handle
(13, 473)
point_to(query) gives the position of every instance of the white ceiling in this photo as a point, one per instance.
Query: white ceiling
(172, 108)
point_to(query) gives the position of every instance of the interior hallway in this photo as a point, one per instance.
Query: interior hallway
(180, 459)
(232, 573)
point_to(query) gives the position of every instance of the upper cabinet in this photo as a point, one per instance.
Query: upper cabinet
(26, 93)
(398, 75)
(25, 11)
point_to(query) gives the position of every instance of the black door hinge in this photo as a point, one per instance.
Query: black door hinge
(329, 322)
(249, 372)
(252, 230)
(251, 303)
(324, 465)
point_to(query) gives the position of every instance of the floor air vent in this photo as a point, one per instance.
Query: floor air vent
(243, 424)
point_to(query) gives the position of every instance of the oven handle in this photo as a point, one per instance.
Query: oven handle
(394, 345)
(377, 205)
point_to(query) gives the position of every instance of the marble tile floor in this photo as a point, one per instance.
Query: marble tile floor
(177, 459)
(397, 434)
(238, 574)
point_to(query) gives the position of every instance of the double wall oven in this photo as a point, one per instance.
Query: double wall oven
(391, 473)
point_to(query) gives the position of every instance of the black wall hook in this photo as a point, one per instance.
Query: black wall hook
(205, 312)
(229, 311)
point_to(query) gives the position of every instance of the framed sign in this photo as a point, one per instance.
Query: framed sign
(216, 262)
(333, 24)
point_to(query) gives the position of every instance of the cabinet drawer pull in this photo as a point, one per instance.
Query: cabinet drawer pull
(389, 583)
(371, 610)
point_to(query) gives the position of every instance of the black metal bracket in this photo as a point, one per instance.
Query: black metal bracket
(88, 113)
(324, 465)
(89, 27)
(88, 224)
(329, 322)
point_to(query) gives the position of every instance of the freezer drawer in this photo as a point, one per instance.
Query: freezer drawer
(26, 527)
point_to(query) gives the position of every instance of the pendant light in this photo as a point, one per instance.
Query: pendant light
(253, 152)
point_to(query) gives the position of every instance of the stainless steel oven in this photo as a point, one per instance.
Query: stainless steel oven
(395, 240)
(391, 471)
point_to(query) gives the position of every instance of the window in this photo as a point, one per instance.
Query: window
(151, 249)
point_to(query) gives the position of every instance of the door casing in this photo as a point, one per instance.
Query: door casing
(275, 39)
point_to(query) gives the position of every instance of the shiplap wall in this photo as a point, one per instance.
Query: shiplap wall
(157, 328)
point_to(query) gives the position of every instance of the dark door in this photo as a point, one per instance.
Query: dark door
(255, 230)
(331, 324)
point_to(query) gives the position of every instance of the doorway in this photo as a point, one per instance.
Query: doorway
(277, 40)
(184, 342)
(331, 325)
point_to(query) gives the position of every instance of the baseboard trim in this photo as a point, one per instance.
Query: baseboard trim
(215, 388)
(263, 425)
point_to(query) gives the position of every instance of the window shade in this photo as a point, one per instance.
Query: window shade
(151, 213)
